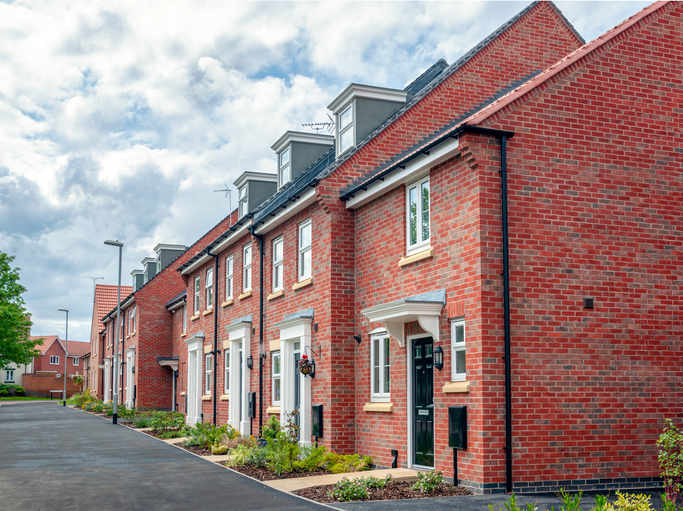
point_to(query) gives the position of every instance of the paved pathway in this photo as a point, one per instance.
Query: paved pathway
(54, 458)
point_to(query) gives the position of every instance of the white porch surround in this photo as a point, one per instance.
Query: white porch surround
(195, 355)
(107, 380)
(239, 337)
(425, 309)
(130, 380)
(171, 363)
(296, 328)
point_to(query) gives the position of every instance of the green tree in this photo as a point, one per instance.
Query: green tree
(16, 345)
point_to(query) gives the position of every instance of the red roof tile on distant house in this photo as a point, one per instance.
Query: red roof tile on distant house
(47, 341)
(106, 300)
(78, 348)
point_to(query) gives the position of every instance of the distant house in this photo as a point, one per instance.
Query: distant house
(13, 374)
(46, 372)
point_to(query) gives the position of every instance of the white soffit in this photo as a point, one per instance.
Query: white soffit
(306, 199)
(410, 173)
(173, 364)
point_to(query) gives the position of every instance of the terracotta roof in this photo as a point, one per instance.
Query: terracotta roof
(47, 341)
(106, 300)
(567, 61)
(78, 348)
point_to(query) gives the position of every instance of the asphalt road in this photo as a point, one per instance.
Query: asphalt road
(55, 458)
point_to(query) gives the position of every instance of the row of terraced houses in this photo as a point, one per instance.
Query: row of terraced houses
(501, 237)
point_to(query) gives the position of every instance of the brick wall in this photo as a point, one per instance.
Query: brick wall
(41, 384)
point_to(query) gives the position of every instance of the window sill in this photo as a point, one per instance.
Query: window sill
(227, 302)
(378, 407)
(195, 317)
(207, 348)
(303, 283)
(276, 294)
(206, 397)
(418, 256)
(225, 397)
(244, 295)
(456, 386)
(207, 312)
(128, 336)
(275, 345)
(273, 409)
(183, 334)
(182, 393)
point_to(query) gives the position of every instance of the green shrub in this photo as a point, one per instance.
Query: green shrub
(205, 434)
(219, 449)
(258, 456)
(511, 505)
(239, 455)
(19, 391)
(98, 407)
(4, 392)
(11, 390)
(142, 421)
(163, 421)
(341, 463)
(271, 428)
(635, 502)
(310, 459)
(428, 481)
(347, 490)
(670, 458)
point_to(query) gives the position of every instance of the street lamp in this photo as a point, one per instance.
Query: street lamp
(66, 351)
(116, 243)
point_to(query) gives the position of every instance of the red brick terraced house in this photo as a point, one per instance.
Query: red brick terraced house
(497, 246)
(46, 373)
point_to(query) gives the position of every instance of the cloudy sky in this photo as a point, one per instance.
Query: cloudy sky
(119, 119)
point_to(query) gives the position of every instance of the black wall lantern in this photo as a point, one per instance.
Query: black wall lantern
(358, 338)
(438, 357)
(250, 362)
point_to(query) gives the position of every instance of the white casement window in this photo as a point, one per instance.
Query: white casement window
(184, 318)
(54, 359)
(380, 366)
(228, 278)
(305, 250)
(209, 288)
(458, 350)
(418, 215)
(277, 373)
(284, 173)
(226, 376)
(346, 129)
(196, 295)
(246, 263)
(208, 372)
(9, 375)
(76, 359)
(158, 265)
(242, 198)
(278, 267)
(132, 320)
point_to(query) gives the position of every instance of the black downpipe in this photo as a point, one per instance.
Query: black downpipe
(506, 308)
(260, 330)
(215, 351)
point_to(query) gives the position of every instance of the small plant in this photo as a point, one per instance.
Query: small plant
(347, 490)
(142, 421)
(341, 463)
(219, 449)
(77, 379)
(634, 502)
(311, 458)
(428, 481)
(601, 503)
(271, 428)
(670, 458)
(376, 482)
(511, 505)
(205, 434)
(570, 502)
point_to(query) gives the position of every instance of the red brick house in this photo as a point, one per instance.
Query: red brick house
(46, 373)
(504, 234)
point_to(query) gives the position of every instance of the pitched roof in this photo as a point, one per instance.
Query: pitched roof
(105, 300)
(78, 348)
(47, 341)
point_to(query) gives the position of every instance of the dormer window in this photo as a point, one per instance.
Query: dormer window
(242, 197)
(158, 264)
(284, 171)
(345, 123)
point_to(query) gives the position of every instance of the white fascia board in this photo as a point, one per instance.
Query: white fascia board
(254, 176)
(294, 328)
(413, 170)
(356, 90)
(223, 245)
(301, 203)
(148, 260)
(165, 246)
(299, 136)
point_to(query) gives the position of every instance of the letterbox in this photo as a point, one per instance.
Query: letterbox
(317, 421)
(457, 427)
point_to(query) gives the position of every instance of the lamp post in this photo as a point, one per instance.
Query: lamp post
(116, 243)
(66, 351)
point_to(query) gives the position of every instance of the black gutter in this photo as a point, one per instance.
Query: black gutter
(503, 136)
(260, 329)
(215, 351)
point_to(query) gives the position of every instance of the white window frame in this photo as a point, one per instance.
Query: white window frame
(421, 243)
(349, 128)
(208, 372)
(132, 323)
(196, 294)
(209, 288)
(242, 200)
(278, 264)
(226, 375)
(284, 167)
(228, 277)
(276, 376)
(246, 265)
(75, 361)
(9, 375)
(184, 318)
(54, 359)
(305, 250)
(382, 394)
(457, 347)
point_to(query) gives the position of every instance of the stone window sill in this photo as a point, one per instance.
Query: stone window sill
(195, 317)
(456, 387)
(273, 409)
(419, 256)
(276, 294)
(183, 334)
(275, 345)
(303, 283)
(182, 393)
(244, 295)
(227, 302)
(225, 397)
(207, 312)
(378, 407)
(206, 397)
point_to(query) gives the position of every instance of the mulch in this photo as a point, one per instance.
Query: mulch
(394, 491)
(264, 474)
(201, 451)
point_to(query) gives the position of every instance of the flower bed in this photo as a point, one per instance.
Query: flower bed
(393, 491)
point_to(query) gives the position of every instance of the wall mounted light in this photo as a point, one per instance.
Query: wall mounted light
(358, 338)
(250, 361)
(438, 357)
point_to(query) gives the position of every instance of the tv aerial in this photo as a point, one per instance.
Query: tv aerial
(321, 126)
(229, 196)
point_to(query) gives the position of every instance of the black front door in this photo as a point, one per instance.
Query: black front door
(423, 401)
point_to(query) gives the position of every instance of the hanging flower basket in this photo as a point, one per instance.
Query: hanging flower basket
(306, 366)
